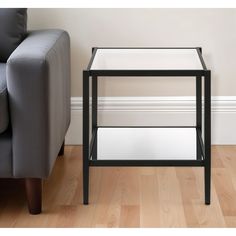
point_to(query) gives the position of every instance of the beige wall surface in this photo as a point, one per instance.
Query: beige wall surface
(212, 29)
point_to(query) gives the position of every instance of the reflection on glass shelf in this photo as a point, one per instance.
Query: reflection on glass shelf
(146, 144)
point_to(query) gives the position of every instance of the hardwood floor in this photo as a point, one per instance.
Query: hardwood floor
(127, 196)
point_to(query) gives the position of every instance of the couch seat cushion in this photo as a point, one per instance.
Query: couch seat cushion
(4, 116)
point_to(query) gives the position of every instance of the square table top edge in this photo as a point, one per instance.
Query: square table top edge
(102, 72)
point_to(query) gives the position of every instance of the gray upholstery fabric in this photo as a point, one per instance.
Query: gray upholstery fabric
(13, 27)
(3, 99)
(6, 154)
(38, 81)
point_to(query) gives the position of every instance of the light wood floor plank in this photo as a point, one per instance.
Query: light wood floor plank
(189, 192)
(230, 221)
(130, 216)
(225, 191)
(149, 197)
(170, 199)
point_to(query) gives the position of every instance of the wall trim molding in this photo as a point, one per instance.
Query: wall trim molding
(157, 104)
(118, 110)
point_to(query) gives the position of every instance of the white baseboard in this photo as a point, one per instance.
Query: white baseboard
(157, 111)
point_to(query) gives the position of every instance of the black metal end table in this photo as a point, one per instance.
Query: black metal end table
(144, 62)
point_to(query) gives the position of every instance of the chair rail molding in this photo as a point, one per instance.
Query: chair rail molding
(167, 110)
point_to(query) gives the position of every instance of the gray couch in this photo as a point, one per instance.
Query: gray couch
(34, 101)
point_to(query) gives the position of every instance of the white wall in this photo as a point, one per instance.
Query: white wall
(213, 29)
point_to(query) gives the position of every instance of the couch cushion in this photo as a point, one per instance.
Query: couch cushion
(13, 27)
(4, 117)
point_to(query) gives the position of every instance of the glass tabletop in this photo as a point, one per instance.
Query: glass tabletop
(146, 144)
(146, 59)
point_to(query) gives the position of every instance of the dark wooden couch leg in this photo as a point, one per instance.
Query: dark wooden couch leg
(61, 152)
(33, 187)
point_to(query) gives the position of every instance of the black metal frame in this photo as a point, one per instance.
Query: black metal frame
(203, 148)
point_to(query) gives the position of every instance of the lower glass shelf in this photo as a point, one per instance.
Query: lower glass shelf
(146, 143)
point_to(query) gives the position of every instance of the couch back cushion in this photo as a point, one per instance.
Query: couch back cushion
(13, 29)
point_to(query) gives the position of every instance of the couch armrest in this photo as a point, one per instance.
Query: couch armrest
(38, 81)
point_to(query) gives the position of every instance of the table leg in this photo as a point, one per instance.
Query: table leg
(85, 136)
(94, 115)
(207, 136)
(199, 113)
